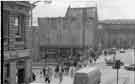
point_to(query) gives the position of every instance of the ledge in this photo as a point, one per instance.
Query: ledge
(12, 55)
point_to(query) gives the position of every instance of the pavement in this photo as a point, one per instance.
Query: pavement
(108, 76)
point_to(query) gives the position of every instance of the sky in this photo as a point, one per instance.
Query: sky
(116, 9)
(107, 9)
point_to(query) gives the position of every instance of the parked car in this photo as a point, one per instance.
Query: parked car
(111, 51)
(109, 60)
(130, 67)
(122, 51)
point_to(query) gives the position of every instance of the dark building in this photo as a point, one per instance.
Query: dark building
(116, 33)
(17, 43)
(69, 33)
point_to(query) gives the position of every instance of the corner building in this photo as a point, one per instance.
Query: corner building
(17, 43)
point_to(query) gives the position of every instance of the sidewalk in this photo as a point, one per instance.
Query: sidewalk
(101, 59)
(66, 80)
(120, 81)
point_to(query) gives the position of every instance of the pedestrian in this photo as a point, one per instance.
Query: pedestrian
(56, 70)
(47, 79)
(61, 75)
(33, 76)
(71, 71)
(50, 73)
(40, 72)
(44, 72)
(105, 52)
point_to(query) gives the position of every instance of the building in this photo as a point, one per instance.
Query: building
(69, 33)
(116, 33)
(16, 42)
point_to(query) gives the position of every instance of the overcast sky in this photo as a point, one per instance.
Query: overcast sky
(108, 9)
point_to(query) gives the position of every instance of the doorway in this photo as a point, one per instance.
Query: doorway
(21, 76)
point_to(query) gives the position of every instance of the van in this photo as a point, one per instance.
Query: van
(87, 75)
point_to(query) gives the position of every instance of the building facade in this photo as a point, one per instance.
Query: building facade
(116, 33)
(16, 42)
(62, 37)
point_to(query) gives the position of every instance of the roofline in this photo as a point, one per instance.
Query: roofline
(118, 21)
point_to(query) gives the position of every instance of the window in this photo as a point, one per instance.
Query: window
(53, 23)
(7, 70)
(73, 19)
(5, 26)
(66, 24)
(17, 22)
(5, 29)
(65, 52)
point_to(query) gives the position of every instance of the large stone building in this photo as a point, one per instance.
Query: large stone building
(16, 42)
(66, 34)
(116, 33)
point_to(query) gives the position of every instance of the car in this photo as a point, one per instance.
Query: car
(122, 51)
(130, 67)
(111, 51)
(109, 60)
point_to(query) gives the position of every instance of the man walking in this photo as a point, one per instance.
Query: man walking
(61, 74)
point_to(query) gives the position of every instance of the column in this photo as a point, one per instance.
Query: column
(28, 70)
(12, 79)
(36, 56)
(28, 33)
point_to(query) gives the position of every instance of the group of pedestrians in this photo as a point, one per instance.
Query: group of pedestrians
(46, 75)
(59, 73)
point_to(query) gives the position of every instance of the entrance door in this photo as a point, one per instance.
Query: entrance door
(21, 75)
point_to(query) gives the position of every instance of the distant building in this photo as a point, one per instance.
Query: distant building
(116, 33)
(68, 33)
(16, 42)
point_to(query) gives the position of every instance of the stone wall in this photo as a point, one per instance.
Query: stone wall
(68, 30)
(118, 35)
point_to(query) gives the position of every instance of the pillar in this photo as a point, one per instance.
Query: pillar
(28, 70)
(12, 79)
(36, 56)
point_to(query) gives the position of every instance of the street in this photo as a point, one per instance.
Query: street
(68, 42)
(108, 76)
